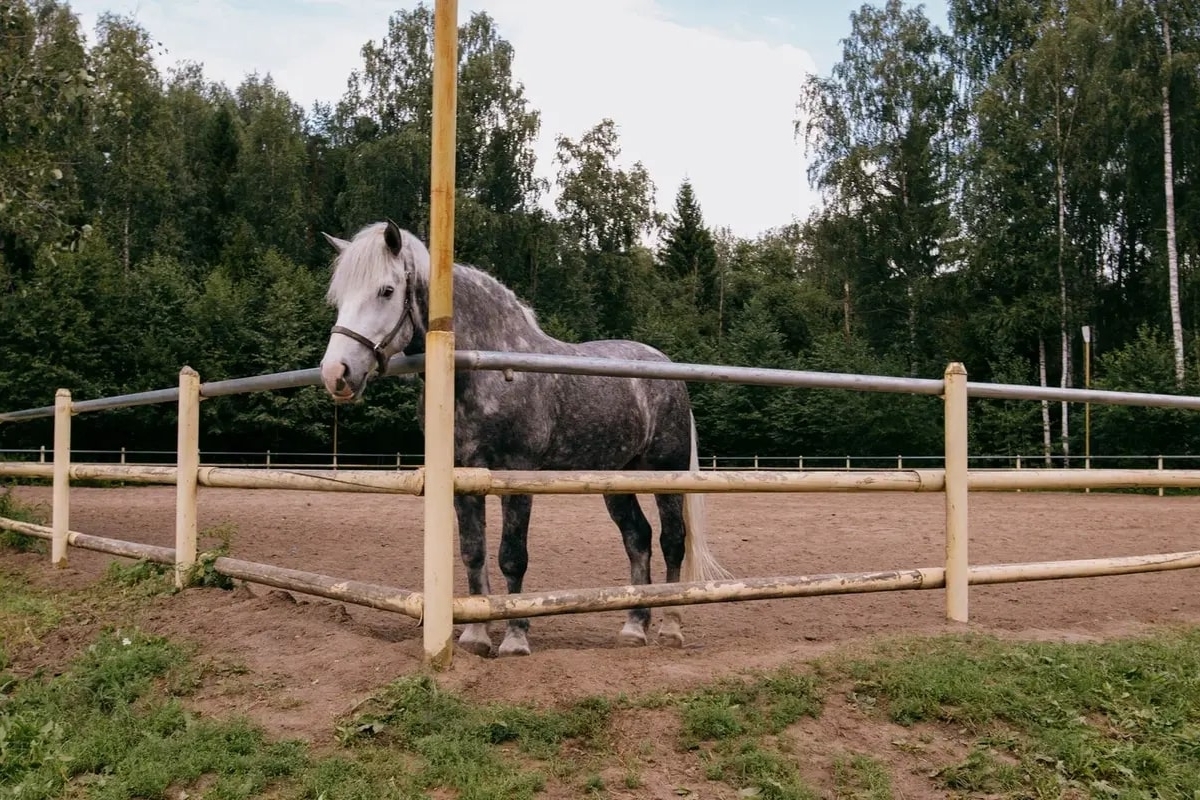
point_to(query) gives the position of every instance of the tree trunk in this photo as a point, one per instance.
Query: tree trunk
(125, 239)
(721, 303)
(912, 330)
(1169, 190)
(846, 308)
(1065, 380)
(1045, 403)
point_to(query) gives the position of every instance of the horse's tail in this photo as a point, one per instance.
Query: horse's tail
(698, 561)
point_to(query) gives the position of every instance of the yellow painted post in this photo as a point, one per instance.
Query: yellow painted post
(438, 621)
(188, 470)
(61, 493)
(957, 563)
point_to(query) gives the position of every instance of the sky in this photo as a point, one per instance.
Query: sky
(699, 89)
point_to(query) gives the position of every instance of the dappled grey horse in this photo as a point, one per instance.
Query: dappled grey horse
(528, 421)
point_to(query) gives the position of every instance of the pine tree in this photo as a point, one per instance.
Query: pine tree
(689, 251)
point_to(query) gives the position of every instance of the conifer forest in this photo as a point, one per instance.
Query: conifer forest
(990, 186)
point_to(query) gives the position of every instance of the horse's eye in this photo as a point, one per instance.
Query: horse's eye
(387, 291)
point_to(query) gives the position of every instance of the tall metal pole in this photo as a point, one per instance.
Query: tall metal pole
(439, 349)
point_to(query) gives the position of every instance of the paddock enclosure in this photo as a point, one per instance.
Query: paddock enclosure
(943, 565)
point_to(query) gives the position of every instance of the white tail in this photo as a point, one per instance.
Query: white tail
(698, 561)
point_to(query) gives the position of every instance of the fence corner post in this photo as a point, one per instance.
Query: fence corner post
(187, 463)
(957, 563)
(61, 491)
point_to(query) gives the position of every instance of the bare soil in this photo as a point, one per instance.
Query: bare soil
(297, 664)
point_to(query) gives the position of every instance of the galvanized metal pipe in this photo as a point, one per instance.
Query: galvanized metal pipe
(579, 365)
(705, 373)
(1010, 391)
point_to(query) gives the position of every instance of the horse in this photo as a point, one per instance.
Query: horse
(524, 421)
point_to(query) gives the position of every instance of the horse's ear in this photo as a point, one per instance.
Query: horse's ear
(338, 244)
(393, 238)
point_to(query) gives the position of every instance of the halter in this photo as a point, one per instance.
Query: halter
(377, 349)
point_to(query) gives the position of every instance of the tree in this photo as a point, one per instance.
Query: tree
(46, 94)
(606, 213)
(880, 131)
(688, 251)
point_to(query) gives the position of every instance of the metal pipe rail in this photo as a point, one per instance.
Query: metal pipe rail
(474, 360)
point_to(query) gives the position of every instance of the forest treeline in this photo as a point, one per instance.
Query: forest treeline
(989, 189)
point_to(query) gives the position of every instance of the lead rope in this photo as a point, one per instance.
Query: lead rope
(335, 432)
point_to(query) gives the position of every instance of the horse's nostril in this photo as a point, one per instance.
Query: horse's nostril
(340, 385)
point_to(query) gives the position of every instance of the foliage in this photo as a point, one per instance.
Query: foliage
(988, 188)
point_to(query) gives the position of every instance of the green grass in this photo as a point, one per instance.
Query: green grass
(13, 508)
(728, 723)
(99, 729)
(452, 743)
(1119, 719)
(861, 777)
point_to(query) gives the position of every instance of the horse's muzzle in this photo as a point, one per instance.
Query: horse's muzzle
(333, 375)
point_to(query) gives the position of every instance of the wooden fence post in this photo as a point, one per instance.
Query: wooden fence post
(61, 492)
(187, 457)
(957, 562)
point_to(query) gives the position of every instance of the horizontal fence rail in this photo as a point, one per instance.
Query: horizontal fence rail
(951, 474)
(475, 481)
(613, 367)
(286, 459)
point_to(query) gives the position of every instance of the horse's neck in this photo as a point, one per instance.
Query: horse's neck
(486, 315)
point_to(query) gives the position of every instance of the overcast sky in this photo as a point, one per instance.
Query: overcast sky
(704, 89)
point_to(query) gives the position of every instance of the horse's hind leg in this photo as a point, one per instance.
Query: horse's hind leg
(514, 557)
(635, 531)
(671, 541)
(472, 540)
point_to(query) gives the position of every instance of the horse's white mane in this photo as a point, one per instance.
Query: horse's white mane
(365, 260)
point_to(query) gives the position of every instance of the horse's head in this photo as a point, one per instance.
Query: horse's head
(375, 278)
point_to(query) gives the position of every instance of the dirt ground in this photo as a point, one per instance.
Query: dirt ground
(295, 663)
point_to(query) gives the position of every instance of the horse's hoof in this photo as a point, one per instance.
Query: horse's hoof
(514, 645)
(475, 639)
(632, 635)
(670, 633)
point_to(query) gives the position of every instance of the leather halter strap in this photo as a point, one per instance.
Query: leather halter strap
(377, 350)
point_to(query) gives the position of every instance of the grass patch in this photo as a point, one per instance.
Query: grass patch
(728, 722)
(101, 730)
(860, 777)
(1119, 718)
(469, 748)
(13, 508)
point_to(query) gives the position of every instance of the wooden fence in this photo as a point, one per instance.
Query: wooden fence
(955, 481)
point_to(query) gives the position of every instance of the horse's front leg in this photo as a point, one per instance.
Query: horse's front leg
(514, 558)
(635, 532)
(472, 541)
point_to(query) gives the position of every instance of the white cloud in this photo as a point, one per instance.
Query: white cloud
(688, 102)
